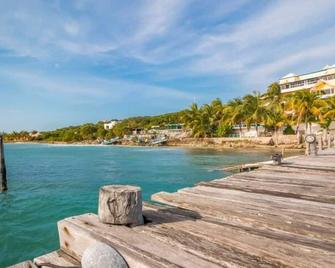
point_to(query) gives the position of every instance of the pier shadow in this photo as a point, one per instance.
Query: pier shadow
(156, 214)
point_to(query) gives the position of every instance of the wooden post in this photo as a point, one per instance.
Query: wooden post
(120, 204)
(3, 177)
(320, 143)
(311, 144)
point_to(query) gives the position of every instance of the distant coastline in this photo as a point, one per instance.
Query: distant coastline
(271, 119)
(201, 143)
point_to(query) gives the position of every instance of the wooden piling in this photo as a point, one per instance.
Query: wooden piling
(311, 144)
(329, 141)
(120, 204)
(320, 143)
(3, 177)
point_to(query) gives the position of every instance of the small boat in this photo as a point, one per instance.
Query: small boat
(111, 141)
(159, 141)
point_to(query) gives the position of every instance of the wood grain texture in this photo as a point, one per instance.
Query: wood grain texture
(120, 204)
(137, 248)
(56, 258)
(283, 216)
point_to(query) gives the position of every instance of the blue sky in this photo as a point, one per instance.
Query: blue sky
(69, 62)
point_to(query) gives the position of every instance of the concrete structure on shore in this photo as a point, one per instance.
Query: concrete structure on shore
(170, 131)
(322, 82)
(243, 131)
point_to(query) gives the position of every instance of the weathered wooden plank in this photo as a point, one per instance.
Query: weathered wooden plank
(321, 163)
(74, 239)
(230, 245)
(257, 217)
(284, 170)
(320, 180)
(57, 257)
(138, 249)
(262, 201)
(308, 192)
(25, 264)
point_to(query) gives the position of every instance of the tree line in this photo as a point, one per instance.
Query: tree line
(92, 132)
(272, 110)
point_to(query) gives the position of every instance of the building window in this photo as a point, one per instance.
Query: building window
(285, 86)
(298, 83)
(312, 81)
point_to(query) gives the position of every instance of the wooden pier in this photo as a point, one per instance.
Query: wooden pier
(274, 216)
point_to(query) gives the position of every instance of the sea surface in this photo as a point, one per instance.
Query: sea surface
(50, 182)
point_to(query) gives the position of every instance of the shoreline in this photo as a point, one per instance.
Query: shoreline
(200, 146)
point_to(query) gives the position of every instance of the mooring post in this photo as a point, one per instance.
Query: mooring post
(3, 177)
(311, 144)
(320, 143)
(120, 204)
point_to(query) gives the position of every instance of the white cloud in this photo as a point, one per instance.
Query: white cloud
(197, 38)
(279, 37)
(156, 18)
(90, 88)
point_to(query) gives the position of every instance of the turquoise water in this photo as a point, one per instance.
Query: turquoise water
(48, 183)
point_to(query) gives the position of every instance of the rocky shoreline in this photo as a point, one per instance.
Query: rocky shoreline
(260, 142)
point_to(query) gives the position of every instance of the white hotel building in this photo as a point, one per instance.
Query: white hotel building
(322, 81)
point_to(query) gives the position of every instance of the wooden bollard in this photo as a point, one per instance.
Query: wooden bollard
(311, 148)
(320, 143)
(3, 175)
(120, 204)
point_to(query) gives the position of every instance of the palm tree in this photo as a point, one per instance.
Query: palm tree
(306, 108)
(233, 114)
(274, 103)
(217, 125)
(255, 110)
(217, 109)
(208, 120)
(191, 118)
(199, 120)
(273, 92)
(328, 114)
(275, 119)
(329, 109)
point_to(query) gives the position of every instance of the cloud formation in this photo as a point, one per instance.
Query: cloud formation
(166, 53)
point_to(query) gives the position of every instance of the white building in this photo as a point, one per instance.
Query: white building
(109, 125)
(322, 81)
(243, 131)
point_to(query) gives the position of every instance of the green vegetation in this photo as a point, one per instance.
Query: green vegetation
(92, 132)
(271, 110)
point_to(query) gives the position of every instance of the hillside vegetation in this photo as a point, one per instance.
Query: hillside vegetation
(92, 132)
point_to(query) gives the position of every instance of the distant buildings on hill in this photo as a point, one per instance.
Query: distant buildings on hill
(322, 82)
(110, 124)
